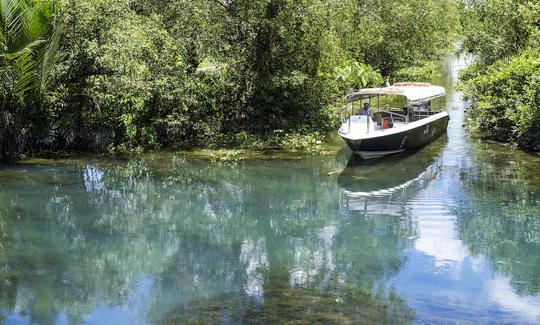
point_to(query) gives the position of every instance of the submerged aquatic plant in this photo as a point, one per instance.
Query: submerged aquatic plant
(285, 304)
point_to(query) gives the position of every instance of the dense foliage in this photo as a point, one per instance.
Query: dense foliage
(174, 72)
(27, 55)
(503, 81)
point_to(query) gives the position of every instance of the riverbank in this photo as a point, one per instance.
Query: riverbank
(276, 140)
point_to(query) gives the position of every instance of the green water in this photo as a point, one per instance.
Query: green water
(447, 234)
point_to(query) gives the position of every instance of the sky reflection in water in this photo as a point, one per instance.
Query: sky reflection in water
(446, 234)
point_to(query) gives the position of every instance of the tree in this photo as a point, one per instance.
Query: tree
(27, 54)
(502, 83)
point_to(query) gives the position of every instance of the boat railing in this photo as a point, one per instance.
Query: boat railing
(345, 116)
(393, 114)
(347, 112)
(421, 114)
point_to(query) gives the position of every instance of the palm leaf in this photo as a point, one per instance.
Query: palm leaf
(34, 28)
(21, 31)
(24, 73)
(50, 56)
(29, 47)
(20, 24)
(11, 13)
(2, 39)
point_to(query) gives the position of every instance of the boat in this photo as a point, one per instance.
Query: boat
(404, 118)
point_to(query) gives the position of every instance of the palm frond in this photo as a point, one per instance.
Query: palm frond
(25, 73)
(11, 13)
(34, 28)
(20, 24)
(29, 47)
(50, 56)
(2, 39)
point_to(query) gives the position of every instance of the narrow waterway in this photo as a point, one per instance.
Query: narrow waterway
(447, 234)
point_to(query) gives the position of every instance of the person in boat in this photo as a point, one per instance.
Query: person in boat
(366, 109)
(405, 109)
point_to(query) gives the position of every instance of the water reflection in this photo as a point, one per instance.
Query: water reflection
(381, 187)
(146, 241)
(476, 244)
(504, 190)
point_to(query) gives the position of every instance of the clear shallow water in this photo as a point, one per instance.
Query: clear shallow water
(447, 234)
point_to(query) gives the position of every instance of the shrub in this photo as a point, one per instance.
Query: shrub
(506, 100)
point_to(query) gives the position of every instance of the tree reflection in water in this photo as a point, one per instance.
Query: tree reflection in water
(181, 240)
(504, 219)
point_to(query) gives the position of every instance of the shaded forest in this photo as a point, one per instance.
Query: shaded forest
(116, 75)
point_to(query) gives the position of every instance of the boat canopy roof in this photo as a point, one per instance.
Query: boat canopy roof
(414, 91)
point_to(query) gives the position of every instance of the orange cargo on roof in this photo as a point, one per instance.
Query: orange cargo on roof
(416, 84)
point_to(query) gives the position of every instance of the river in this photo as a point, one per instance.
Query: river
(447, 234)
